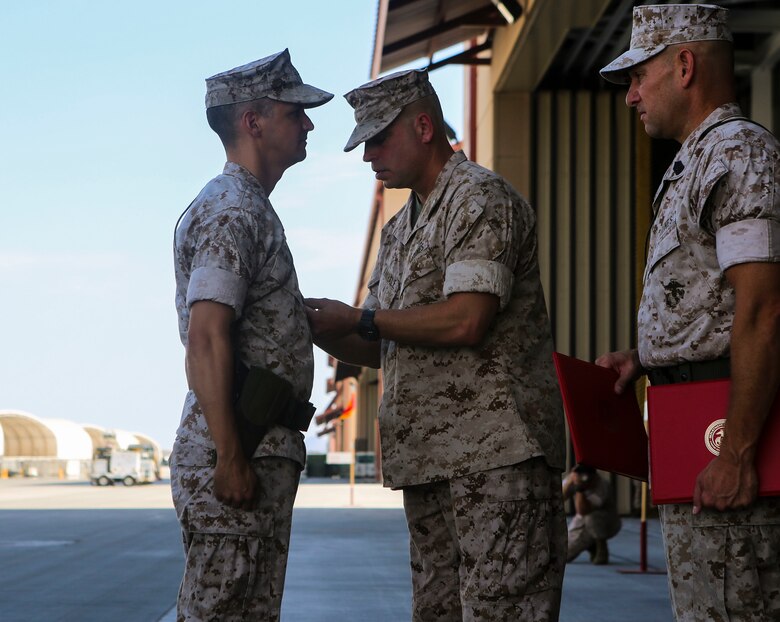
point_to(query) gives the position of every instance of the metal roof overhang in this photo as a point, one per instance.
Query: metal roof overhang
(407, 30)
(561, 45)
(564, 47)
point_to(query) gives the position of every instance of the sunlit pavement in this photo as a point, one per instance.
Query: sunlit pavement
(74, 552)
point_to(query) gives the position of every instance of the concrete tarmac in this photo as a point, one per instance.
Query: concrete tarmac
(74, 552)
(353, 564)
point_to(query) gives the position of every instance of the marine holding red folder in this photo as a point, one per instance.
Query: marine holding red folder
(710, 305)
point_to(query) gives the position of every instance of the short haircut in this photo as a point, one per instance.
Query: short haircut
(429, 105)
(224, 119)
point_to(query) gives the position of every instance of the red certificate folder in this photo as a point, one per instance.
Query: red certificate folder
(606, 429)
(686, 426)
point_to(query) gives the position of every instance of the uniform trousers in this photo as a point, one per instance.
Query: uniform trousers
(235, 559)
(488, 546)
(723, 566)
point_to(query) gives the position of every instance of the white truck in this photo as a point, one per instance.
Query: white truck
(129, 467)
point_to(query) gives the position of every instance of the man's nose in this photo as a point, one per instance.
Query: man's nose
(307, 123)
(632, 97)
(368, 153)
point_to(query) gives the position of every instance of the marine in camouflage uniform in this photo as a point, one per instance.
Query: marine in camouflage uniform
(718, 208)
(472, 432)
(230, 249)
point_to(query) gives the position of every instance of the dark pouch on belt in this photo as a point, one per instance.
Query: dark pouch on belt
(300, 416)
(261, 398)
(264, 397)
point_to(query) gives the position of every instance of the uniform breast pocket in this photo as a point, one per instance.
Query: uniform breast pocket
(676, 292)
(663, 247)
(712, 176)
(422, 281)
(280, 272)
(389, 286)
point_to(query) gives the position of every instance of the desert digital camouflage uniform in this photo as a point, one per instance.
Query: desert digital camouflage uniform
(479, 429)
(723, 566)
(718, 206)
(235, 559)
(498, 555)
(230, 248)
(501, 401)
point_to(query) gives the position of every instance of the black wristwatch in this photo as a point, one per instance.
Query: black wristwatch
(366, 327)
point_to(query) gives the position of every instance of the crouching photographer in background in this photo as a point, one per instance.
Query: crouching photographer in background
(596, 519)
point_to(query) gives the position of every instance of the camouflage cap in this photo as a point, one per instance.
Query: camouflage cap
(657, 26)
(378, 103)
(273, 77)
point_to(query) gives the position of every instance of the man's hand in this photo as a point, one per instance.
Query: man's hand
(626, 364)
(235, 483)
(331, 319)
(334, 329)
(725, 484)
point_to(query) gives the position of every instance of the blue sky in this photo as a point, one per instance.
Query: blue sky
(104, 142)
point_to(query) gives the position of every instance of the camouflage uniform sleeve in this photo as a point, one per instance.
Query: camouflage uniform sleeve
(372, 301)
(741, 202)
(220, 270)
(480, 252)
(372, 298)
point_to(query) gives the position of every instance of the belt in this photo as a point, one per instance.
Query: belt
(691, 372)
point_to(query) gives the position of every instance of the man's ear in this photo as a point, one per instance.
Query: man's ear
(250, 122)
(423, 126)
(686, 65)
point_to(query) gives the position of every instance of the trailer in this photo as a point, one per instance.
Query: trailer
(129, 467)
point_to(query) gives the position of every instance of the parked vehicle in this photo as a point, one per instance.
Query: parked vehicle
(130, 467)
